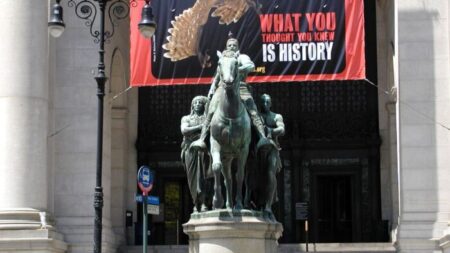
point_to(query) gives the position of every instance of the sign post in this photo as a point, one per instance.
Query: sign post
(145, 182)
(301, 213)
(306, 234)
(144, 226)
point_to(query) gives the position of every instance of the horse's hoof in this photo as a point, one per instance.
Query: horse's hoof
(238, 207)
(268, 214)
(217, 203)
(204, 208)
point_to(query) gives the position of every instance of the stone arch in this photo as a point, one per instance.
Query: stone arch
(117, 103)
(118, 80)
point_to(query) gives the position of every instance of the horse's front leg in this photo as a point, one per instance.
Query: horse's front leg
(226, 171)
(217, 202)
(240, 173)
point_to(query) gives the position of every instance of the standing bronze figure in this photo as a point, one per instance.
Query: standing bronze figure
(195, 162)
(269, 156)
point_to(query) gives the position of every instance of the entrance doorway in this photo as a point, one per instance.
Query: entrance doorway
(174, 210)
(177, 206)
(334, 208)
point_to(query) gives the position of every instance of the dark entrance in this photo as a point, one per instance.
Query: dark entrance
(176, 203)
(334, 208)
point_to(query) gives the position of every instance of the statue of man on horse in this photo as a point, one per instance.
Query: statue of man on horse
(245, 66)
(231, 108)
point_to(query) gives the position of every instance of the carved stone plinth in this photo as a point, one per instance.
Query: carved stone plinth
(226, 231)
(29, 230)
(444, 242)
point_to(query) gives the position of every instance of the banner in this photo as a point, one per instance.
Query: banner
(289, 40)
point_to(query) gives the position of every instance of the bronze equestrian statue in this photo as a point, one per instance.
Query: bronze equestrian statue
(245, 66)
(228, 118)
(230, 132)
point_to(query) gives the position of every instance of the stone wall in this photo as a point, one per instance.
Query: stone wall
(424, 137)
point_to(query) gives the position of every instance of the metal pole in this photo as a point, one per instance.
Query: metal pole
(144, 229)
(306, 234)
(101, 80)
(178, 232)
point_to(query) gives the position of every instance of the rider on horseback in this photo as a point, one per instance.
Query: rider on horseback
(245, 66)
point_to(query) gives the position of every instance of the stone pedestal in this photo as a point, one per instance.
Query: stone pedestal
(444, 242)
(32, 241)
(29, 230)
(226, 231)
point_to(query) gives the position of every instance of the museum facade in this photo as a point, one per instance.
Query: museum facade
(369, 158)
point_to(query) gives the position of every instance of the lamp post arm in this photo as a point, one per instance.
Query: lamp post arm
(87, 10)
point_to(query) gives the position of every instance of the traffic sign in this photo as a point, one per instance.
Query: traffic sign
(154, 200)
(139, 198)
(145, 179)
(153, 209)
(301, 211)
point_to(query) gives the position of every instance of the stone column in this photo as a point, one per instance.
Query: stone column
(24, 129)
(424, 144)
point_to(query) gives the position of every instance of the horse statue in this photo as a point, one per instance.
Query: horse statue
(230, 132)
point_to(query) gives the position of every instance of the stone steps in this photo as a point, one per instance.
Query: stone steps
(338, 248)
(157, 249)
(288, 248)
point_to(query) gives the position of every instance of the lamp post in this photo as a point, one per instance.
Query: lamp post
(87, 10)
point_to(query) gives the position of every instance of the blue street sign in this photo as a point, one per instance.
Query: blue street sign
(138, 198)
(145, 179)
(152, 200)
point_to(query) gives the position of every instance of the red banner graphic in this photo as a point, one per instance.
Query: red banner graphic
(287, 40)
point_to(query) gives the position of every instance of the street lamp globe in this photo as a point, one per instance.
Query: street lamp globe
(56, 24)
(147, 26)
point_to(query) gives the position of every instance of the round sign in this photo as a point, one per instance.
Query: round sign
(145, 179)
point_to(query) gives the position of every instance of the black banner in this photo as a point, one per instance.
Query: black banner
(287, 40)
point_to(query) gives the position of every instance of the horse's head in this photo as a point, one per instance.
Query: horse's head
(228, 67)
